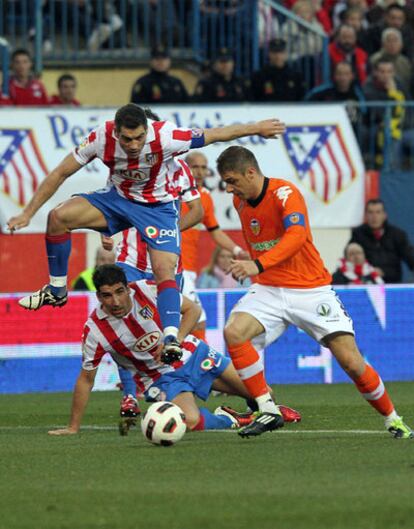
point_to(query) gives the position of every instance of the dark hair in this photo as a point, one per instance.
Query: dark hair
(20, 51)
(151, 115)
(108, 274)
(236, 159)
(394, 6)
(130, 116)
(342, 63)
(374, 201)
(382, 60)
(66, 77)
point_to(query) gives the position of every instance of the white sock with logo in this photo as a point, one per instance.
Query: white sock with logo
(266, 403)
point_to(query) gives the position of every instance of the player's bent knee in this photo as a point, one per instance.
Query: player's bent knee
(234, 334)
(55, 221)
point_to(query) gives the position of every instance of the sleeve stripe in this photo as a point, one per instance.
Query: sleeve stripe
(182, 135)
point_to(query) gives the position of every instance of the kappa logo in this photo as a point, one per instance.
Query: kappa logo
(147, 313)
(255, 226)
(323, 309)
(147, 342)
(283, 194)
(151, 232)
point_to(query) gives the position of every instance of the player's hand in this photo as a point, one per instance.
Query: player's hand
(243, 255)
(18, 222)
(107, 243)
(242, 269)
(270, 128)
(63, 431)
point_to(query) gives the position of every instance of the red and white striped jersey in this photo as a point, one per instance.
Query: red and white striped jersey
(132, 340)
(132, 249)
(148, 178)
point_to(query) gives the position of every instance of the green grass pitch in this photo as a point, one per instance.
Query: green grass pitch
(338, 469)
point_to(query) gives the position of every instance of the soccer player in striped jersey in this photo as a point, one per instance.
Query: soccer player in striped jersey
(127, 325)
(140, 193)
(292, 286)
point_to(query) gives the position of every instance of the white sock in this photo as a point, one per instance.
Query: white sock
(266, 403)
(58, 281)
(390, 418)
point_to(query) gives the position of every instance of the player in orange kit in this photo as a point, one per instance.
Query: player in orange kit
(190, 239)
(292, 287)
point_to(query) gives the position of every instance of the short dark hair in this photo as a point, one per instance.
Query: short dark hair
(108, 274)
(391, 7)
(66, 77)
(374, 201)
(382, 60)
(236, 159)
(21, 51)
(130, 116)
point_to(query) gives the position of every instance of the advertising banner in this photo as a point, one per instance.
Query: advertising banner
(318, 153)
(42, 351)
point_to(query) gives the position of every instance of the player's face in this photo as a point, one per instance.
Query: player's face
(199, 167)
(132, 140)
(239, 184)
(375, 216)
(115, 299)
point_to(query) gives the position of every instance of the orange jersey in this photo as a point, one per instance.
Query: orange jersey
(190, 238)
(277, 232)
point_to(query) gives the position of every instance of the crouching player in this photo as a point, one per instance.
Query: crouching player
(127, 326)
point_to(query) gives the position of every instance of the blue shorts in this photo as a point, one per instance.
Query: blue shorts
(158, 223)
(196, 376)
(133, 274)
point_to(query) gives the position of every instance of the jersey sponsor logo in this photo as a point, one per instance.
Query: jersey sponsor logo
(147, 313)
(151, 232)
(152, 158)
(207, 364)
(255, 226)
(147, 342)
(167, 233)
(213, 359)
(283, 194)
(323, 309)
(264, 245)
(133, 174)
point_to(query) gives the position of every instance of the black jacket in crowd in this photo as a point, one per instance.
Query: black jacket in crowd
(217, 89)
(157, 87)
(387, 252)
(277, 84)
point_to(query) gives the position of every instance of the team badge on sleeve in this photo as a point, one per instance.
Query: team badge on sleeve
(294, 219)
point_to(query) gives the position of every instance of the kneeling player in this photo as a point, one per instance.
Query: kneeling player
(127, 326)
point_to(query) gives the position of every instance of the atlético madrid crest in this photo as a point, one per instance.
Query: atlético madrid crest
(255, 226)
(151, 158)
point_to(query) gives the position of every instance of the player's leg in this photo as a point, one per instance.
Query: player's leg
(367, 381)
(198, 419)
(75, 213)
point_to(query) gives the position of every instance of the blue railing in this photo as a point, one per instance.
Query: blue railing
(4, 62)
(123, 31)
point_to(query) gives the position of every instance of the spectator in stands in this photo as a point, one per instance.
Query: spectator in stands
(67, 85)
(354, 16)
(343, 88)
(277, 81)
(385, 245)
(24, 88)
(391, 50)
(394, 18)
(344, 49)
(354, 269)
(342, 6)
(383, 86)
(158, 86)
(222, 86)
(303, 42)
(84, 280)
(106, 21)
(216, 275)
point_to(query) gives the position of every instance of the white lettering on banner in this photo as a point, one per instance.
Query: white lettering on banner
(318, 154)
(283, 194)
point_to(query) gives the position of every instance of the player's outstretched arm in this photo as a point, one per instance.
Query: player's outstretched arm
(268, 128)
(47, 189)
(224, 241)
(80, 399)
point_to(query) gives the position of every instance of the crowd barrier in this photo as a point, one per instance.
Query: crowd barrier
(41, 352)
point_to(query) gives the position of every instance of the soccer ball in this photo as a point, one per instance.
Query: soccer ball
(163, 424)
